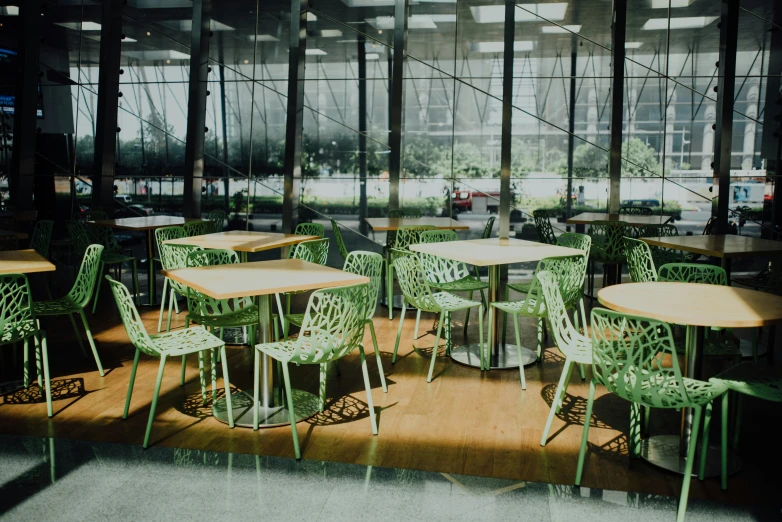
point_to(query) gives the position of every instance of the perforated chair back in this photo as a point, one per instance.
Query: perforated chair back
(635, 211)
(197, 228)
(131, 319)
(543, 227)
(310, 229)
(369, 264)
(42, 235)
(487, 229)
(84, 286)
(417, 292)
(314, 251)
(639, 261)
(608, 241)
(438, 236)
(17, 319)
(692, 273)
(343, 250)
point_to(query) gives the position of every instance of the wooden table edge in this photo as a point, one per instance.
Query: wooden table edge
(250, 250)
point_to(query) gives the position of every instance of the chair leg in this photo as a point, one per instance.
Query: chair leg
(184, 366)
(399, 331)
(447, 328)
(170, 307)
(377, 356)
(201, 377)
(256, 387)
(541, 334)
(130, 384)
(585, 433)
(46, 380)
(634, 437)
(370, 404)
(324, 367)
(705, 441)
(390, 289)
(558, 395)
(78, 335)
(484, 363)
(505, 319)
(38, 364)
(724, 443)
(487, 366)
(696, 422)
(162, 304)
(92, 342)
(417, 323)
(227, 385)
(101, 267)
(736, 430)
(518, 349)
(154, 400)
(436, 346)
(26, 355)
(291, 412)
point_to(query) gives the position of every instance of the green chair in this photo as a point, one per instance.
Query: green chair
(391, 234)
(369, 264)
(343, 250)
(218, 314)
(405, 237)
(310, 229)
(447, 275)
(635, 211)
(76, 300)
(487, 229)
(42, 235)
(744, 379)
(570, 272)
(18, 323)
(438, 236)
(81, 241)
(217, 219)
(661, 255)
(608, 249)
(314, 251)
(575, 346)
(198, 228)
(627, 358)
(543, 227)
(567, 240)
(162, 235)
(333, 326)
(170, 344)
(639, 261)
(418, 293)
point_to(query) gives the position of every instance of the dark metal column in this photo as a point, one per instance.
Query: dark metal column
(397, 102)
(723, 135)
(618, 32)
(295, 121)
(196, 107)
(108, 103)
(507, 114)
(224, 125)
(25, 107)
(362, 134)
(772, 137)
(571, 129)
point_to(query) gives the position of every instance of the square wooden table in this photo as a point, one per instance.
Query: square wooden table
(263, 279)
(493, 253)
(587, 218)
(146, 224)
(725, 247)
(442, 223)
(242, 241)
(24, 262)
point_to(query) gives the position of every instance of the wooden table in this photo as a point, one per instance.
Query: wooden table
(146, 224)
(724, 247)
(24, 262)
(241, 241)
(493, 253)
(18, 215)
(587, 218)
(697, 306)
(442, 223)
(263, 279)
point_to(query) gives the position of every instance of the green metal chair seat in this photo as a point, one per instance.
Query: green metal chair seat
(184, 342)
(111, 258)
(245, 316)
(665, 388)
(294, 319)
(522, 288)
(519, 307)
(449, 302)
(465, 284)
(63, 305)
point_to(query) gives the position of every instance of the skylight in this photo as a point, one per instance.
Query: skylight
(493, 14)
(555, 29)
(85, 26)
(688, 22)
(498, 47)
(315, 52)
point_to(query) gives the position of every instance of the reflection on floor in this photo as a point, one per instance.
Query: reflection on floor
(76, 480)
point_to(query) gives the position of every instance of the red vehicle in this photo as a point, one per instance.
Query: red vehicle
(476, 201)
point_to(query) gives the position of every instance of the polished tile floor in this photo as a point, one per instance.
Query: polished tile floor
(64, 480)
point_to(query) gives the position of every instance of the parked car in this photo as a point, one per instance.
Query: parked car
(134, 210)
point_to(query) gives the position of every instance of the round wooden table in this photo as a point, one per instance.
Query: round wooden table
(696, 306)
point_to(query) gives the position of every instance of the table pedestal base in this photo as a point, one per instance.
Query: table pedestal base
(306, 405)
(506, 358)
(663, 452)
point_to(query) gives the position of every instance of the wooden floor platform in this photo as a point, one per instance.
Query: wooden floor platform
(465, 421)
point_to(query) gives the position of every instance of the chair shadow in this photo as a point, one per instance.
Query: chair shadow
(607, 411)
(62, 390)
